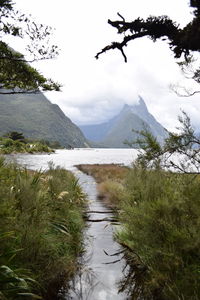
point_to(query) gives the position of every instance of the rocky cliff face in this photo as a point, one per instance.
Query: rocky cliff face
(120, 128)
(36, 117)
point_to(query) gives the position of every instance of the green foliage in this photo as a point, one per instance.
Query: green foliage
(161, 219)
(41, 218)
(179, 152)
(150, 146)
(16, 75)
(10, 145)
(15, 285)
(159, 214)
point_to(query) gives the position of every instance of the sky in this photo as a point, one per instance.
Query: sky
(95, 90)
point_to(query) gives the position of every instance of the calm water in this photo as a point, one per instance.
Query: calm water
(99, 277)
(69, 158)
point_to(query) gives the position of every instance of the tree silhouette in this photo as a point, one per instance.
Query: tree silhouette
(182, 41)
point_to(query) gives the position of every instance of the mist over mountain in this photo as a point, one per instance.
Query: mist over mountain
(36, 117)
(114, 132)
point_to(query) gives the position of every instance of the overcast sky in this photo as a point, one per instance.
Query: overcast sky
(95, 90)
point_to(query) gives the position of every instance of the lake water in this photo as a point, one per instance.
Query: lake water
(100, 274)
(69, 158)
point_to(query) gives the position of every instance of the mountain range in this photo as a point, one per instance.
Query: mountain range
(113, 133)
(37, 118)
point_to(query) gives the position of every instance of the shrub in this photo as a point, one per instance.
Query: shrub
(161, 221)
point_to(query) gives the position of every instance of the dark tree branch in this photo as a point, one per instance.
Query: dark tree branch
(119, 46)
(121, 16)
(181, 41)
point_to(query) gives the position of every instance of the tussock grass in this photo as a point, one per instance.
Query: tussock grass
(110, 179)
(40, 229)
(110, 192)
(161, 221)
(104, 171)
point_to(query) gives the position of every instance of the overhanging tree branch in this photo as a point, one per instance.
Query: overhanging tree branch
(120, 46)
(181, 41)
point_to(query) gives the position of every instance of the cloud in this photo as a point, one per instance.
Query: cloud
(94, 91)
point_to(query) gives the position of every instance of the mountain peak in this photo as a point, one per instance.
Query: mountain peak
(142, 102)
(120, 128)
(137, 108)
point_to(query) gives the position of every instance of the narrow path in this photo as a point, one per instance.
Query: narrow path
(103, 263)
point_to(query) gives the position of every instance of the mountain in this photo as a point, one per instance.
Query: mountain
(36, 117)
(113, 133)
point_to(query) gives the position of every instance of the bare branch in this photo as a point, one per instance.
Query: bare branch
(186, 93)
(121, 16)
(119, 46)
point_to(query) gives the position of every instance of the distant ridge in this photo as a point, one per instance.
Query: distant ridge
(36, 117)
(114, 132)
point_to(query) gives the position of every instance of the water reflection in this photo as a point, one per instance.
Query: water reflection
(99, 278)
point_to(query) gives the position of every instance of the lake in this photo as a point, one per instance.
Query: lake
(69, 158)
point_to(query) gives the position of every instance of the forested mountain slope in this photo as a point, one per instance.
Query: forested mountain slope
(36, 117)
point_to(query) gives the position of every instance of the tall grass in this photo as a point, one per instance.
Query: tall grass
(161, 221)
(43, 214)
(104, 172)
(110, 179)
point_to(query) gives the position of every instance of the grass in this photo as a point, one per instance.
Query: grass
(40, 230)
(160, 218)
(110, 179)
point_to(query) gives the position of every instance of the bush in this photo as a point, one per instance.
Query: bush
(8, 146)
(161, 221)
(37, 147)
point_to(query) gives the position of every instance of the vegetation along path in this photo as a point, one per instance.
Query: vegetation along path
(159, 213)
(41, 225)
